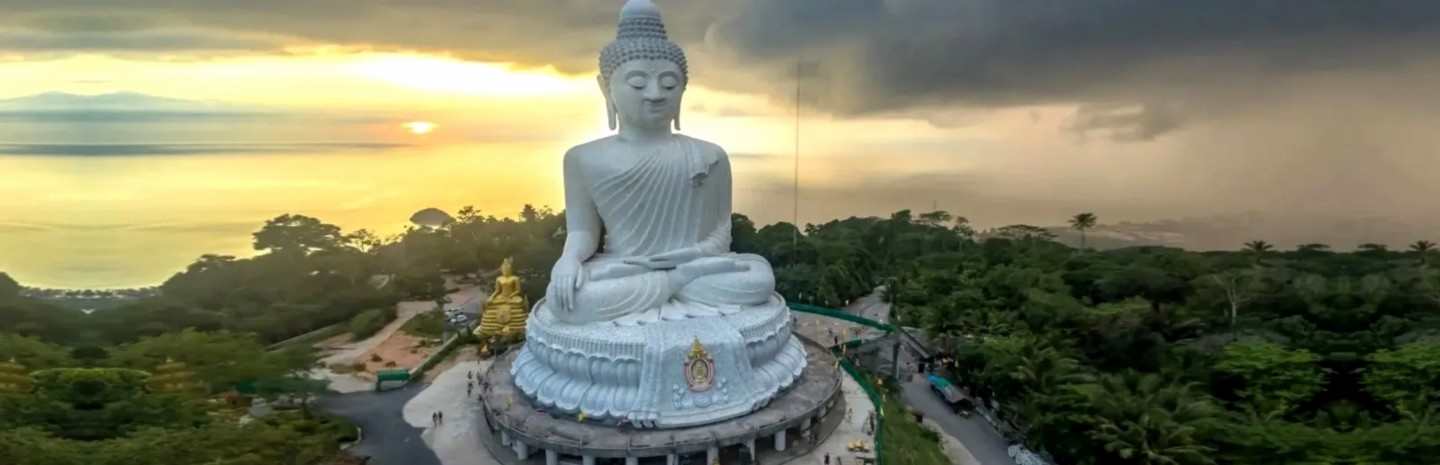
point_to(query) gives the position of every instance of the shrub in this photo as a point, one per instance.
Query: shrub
(376, 358)
(368, 322)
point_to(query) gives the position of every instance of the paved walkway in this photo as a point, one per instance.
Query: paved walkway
(455, 441)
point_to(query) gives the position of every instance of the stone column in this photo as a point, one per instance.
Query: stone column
(750, 446)
(780, 441)
(672, 459)
(505, 438)
(552, 457)
(712, 456)
(587, 460)
(632, 460)
(522, 450)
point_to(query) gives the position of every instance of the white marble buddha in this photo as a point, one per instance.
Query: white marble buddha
(662, 200)
(664, 326)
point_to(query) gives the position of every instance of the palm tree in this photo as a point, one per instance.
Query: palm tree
(1083, 222)
(1052, 386)
(1145, 420)
(1259, 249)
(1423, 249)
(1373, 248)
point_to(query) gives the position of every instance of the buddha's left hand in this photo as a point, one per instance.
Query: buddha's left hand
(667, 260)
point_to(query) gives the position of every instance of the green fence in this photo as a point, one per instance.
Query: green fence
(841, 315)
(875, 398)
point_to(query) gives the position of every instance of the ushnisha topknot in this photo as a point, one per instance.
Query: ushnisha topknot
(641, 36)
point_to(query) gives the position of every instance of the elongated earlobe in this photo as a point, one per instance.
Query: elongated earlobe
(610, 114)
(609, 105)
(677, 120)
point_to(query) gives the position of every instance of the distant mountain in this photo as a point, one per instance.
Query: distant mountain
(1231, 232)
(53, 103)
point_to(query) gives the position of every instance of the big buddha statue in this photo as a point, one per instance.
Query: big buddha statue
(662, 325)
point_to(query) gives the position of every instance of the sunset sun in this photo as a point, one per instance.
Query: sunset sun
(419, 128)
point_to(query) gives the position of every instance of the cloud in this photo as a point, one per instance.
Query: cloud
(124, 41)
(1126, 123)
(875, 55)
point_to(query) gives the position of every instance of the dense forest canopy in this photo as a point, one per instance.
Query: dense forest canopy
(1140, 355)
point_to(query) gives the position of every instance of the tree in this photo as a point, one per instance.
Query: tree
(296, 362)
(1258, 249)
(744, 238)
(1144, 420)
(1024, 232)
(433, 218)
(1239, 288)
(1083, 222)
(935, 218)
(1411, 372)
(1423, 249)
(363, 240)
(9, 289)
(220, 359)
(32, 353)
(1268, 372)
(297, 234)
(1373, 249)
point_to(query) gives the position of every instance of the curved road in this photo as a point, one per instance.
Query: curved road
(987, 445)
(387, 439)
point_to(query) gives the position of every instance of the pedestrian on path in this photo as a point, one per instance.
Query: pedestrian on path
(442, 417)
(469, 389)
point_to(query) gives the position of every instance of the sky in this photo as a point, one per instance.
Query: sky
(1307, 113)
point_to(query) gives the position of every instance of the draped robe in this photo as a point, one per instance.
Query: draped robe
(674, 198)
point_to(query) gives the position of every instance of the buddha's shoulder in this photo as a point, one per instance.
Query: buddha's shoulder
(590, 148)
(599, 147)
(706, 146)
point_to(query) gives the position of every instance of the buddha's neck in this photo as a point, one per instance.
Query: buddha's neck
(644, 136)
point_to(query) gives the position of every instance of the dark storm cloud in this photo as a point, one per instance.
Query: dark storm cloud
(876, 56)
(150, 40)
(1177, 60)
(1126, 123)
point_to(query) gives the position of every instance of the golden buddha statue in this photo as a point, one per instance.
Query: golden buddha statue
(505, 312)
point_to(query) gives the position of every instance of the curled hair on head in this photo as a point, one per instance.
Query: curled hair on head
(641, 36)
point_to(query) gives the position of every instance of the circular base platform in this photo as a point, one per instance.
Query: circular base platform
(527, 430)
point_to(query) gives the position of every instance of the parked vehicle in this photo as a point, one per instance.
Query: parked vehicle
(951, 395)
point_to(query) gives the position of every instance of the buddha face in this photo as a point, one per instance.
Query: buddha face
(646, 93)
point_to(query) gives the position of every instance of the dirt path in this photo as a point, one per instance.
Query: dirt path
(390, 344)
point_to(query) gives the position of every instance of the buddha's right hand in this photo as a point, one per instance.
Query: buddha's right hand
(565, 278)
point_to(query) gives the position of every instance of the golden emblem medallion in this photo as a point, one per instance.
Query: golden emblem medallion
(699, 368)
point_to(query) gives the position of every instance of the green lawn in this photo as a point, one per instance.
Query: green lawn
(906, 442)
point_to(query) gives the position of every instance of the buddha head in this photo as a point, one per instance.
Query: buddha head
(642, 73)
(507, 267)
